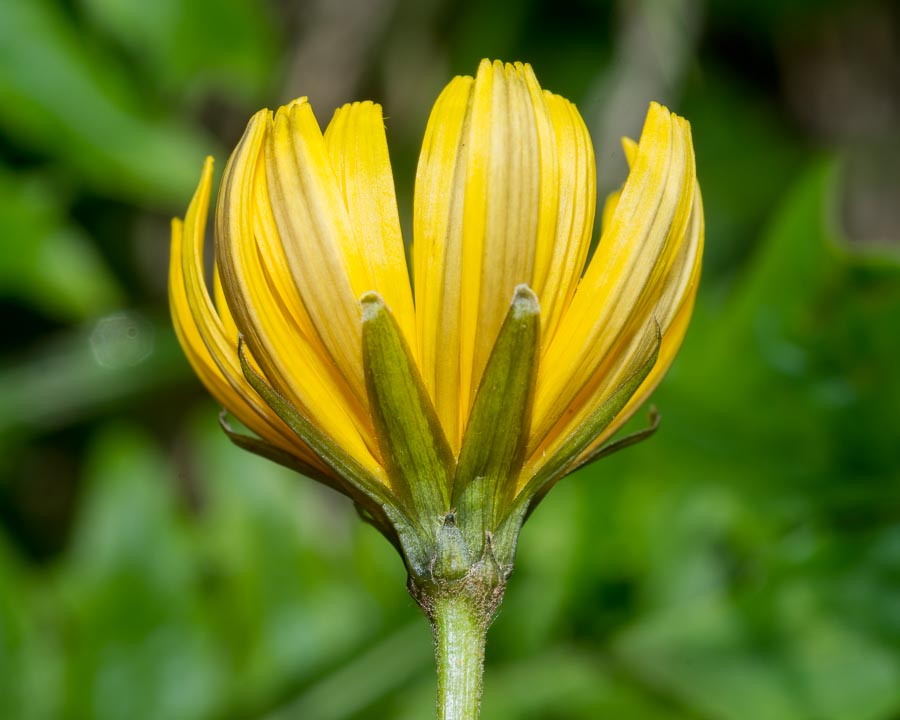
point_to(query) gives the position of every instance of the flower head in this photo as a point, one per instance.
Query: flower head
(446, 407)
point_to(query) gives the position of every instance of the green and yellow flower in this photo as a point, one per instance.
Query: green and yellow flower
(444, 407)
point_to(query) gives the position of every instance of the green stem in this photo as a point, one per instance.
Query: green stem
(460, 629)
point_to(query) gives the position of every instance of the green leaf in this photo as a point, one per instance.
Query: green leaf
(493, 449)
(416, 453)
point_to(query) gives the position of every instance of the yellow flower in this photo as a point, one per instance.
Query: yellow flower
(309, 253)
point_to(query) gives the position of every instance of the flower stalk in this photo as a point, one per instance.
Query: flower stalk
(460, 629)
(460, 602)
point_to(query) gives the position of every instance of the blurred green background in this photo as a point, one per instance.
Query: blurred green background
(743, 564)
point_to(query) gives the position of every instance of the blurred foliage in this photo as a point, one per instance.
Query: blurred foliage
(743, 564)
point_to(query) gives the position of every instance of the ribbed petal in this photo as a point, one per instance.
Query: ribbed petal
(191, 340)
(437, 251)
(679, 307)
(486, 209)
(269, 311)
(286, 296)
(358, 149)
(557, 272)
(625, 288)
(609, 209)
(318, 239)
(612, 200)
(207, 339)
(225, 316)
(511, 159)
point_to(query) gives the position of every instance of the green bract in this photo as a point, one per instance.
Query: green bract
(451, 519)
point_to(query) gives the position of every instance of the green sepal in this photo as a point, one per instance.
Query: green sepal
(415, 451)
(374, 516)
(603, 451)
(493, 448)
(260, 447)
(653, 418)
(364, 488)
(452, 560)
(381, 523)
(565, 459)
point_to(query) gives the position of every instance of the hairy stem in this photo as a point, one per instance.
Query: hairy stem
(460, 627)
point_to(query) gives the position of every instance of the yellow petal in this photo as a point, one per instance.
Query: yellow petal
(609, 209)
(631, 150)
(621, 291)
(486, 207)
(285, 297)
(612, 200)
(633, 353)
(437, 253)
(577, 197)
(188, 335)
(225, 316)
(672, 315)
(509, 136)
(285, 301)
(551, 160)
(684, 290)
(208, 344)
(358, 149)
(315, 230)
(292, 362)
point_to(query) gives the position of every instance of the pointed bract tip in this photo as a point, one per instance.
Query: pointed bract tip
(371, 303)
(525, 301)
(659, 332)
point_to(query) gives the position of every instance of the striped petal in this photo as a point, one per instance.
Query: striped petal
(612, 200)
(437, 251)
(511, 168)
(206, 339)
(678, 307)
(275, 267)
(318, 239)
(358, 149)
(485, 218)
(557, 273)
(274, 318)
(625, 283)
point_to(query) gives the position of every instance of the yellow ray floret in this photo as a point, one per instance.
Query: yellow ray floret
(505, 197)
(206, 335)
(358, 150)
(619, 295)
